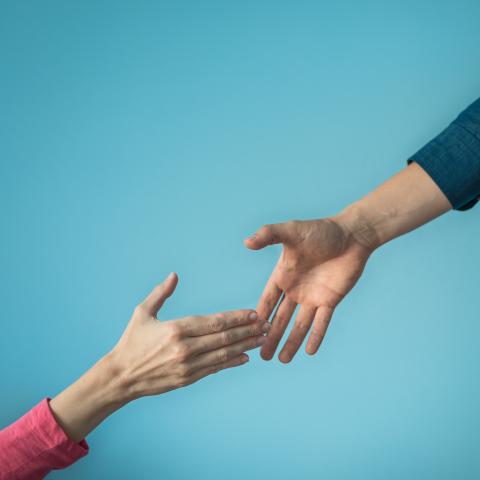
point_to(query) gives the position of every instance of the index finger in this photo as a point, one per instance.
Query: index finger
(217, 322)
(268, 300)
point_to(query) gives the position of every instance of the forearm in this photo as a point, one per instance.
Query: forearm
(403, 203)
(82, 406)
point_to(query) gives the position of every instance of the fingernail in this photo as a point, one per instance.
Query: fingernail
(253, 316)
(261, 340)
(266, 327)
(252, 237)
(245, 359)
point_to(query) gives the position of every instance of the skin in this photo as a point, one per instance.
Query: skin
(320, 263)
(154, 357)
(323, 259)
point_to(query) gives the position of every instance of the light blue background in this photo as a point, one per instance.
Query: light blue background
(142, 137)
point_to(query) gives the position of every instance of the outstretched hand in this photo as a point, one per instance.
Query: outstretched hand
(320, 263)
(155, 357)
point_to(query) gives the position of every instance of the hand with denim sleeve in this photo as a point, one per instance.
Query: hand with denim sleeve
(322, 259)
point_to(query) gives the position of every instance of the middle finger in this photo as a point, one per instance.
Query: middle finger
(223, 354)
(207, 343)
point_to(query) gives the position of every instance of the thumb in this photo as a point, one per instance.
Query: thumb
(153, 303)
(268, 235)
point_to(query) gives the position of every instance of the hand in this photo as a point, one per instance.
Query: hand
(153, 357)
(320, 263)
(323, 259)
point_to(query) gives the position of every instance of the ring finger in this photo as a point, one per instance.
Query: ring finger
(225, 353)
(207, 343)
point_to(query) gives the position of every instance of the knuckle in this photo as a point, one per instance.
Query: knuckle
(222, 355)
(265, 229)
(302, 327)
(139, 310)
(227, 337)
(232, 319)
(213, 324)
(254, 329)
(183, 370)
(181, 352)
(173, 329)
(190, 323)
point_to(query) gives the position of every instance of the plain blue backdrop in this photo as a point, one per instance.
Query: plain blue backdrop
(142, 137)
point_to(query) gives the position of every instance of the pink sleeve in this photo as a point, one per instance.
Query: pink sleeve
(36, 444)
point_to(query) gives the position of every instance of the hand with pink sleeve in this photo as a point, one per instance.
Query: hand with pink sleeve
(151, 358)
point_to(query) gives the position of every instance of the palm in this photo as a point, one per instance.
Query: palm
(320, 269)
(319, 265)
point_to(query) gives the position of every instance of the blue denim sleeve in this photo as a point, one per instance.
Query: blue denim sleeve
(452, 159)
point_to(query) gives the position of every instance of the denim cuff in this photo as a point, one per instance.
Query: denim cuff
(452, 159)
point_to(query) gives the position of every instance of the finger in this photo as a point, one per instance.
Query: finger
(280, 321)
(303, 322)
(269, 235)
(226, 353)
(203, 372)
(217, 322)
(319, 328)
(160, 293)
(207, 343)
(269, 298)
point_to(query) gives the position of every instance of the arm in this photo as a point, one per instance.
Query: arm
(154, 357)
(403, 203)
(323, 259)
(150, 358)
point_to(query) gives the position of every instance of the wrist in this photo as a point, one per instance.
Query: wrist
(116, 384)
(359, 227)
(87, 402)
(404, 202)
